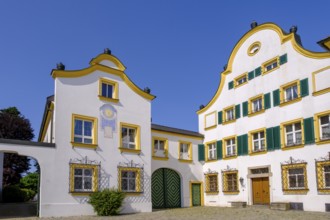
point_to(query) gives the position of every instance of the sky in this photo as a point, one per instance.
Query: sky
(177, 48)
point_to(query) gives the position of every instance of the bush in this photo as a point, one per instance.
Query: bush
(13, 193)
(107, 202)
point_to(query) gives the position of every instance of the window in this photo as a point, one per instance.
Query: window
(258, 141)
(211, 151)
(84, 131)
(230, 182)
(290, 92)
(256, 104)
(254, 48)
(185, 151)
(270, 65)
(83, 178)
(322, 127)
(160, 148)
(229, 114)
(294, 177)
(108, 90)
(211, 183)
(292, 134)
(130, 179)
(323, 175)
(130, 138)
(230, 146)
(240, 80)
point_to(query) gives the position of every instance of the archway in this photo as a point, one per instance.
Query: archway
(165, 189)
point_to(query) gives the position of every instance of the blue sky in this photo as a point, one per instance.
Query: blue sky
(176, 48)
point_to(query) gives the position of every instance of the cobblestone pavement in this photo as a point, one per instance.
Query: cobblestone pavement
(209, 213)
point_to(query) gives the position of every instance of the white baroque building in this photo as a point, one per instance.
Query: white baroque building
(264, 138)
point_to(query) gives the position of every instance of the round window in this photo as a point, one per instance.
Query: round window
(254, 48)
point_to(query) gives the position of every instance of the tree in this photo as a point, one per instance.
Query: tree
(30, 181)
(13, 125)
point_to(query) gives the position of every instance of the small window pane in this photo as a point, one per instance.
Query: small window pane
(78, 127)
(77, 183)
(78, 171)
(88, 172)
(87, 183)
(324, 120)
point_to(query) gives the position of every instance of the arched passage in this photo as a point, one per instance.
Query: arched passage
(165, 189)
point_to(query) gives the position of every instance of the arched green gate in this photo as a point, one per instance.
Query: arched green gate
(165, 189)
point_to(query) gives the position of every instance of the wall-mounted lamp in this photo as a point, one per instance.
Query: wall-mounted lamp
(241, 180)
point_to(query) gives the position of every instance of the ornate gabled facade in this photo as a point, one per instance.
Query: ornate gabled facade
(264, 138)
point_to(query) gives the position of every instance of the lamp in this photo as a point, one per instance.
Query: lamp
(241, 180)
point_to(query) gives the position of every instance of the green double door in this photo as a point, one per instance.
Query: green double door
(165, 189)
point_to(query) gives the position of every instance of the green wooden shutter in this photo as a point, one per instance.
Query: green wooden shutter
(238, 111)
(245, 148)
(245, 108)
(201, 152)
(239, 146)
(220, 117)
(251, 75)
(276, 137)
(309, 130)
(276, 97)
(231, 85)
(304, 87)
(283, 59)
(270, 139)
(267, 100)
(257, 72)
(219, 150)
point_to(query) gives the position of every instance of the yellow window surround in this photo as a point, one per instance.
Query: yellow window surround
(322, 91)
(228, 115)
(295, 144)
(317, 125)
(138, 184)
(261, 150)
(240, 80)
(154, 151)
(189, 145)
(291, 99)
(115, 95)
(260, 108)
(207, 147)
(211, 189)
(270, 65)
(137, 140)
(322, 169)
(93, 120)
(233, 154)
(229, 188)
(214, 125)
(95, 177)
(285, 178)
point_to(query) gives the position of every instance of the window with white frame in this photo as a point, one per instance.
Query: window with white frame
(211, 183)
(293, 134)
(185, 151)
(83, 178)
(212, 151)
(229, 114)
(128, 181)
(325, 127)
(241, 80)
(296, 178)
(230, 147)
(258, 141)
(257, 105)
(323, 174)
(291, 93)
(326, 176)
(83, 129)
(271, 65)
(159, 147)
(128, 135)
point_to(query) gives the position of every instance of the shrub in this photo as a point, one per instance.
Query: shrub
(13, 193)
(107, 202)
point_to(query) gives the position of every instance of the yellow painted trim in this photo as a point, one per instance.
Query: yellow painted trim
(264, 64)
(250, 137)
(282, 131)
(94, 132)
(224, 147)
(176, 134)
(240, 77)
(283, 38)
(250, 113)
(165, 148)
(137, 138)
(317, 116)
(285, 86)
(215, 121)
(320, 176)
(225, 184)
(224, 115)
(95, 178)
(201, 189)
(96, 67)
(285, 183)
(137, 179)
(322, 91)
(115, 94)
(206, 148)
(108, 57)
(189, 152)
(257, 43)
(50, 112)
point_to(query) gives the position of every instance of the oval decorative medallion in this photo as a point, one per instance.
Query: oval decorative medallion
(254, 48)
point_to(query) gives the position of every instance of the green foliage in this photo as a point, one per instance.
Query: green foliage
(15, 194)
(30, 181)
(107, 202)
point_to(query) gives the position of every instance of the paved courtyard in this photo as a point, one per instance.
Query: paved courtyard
(207, 213)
